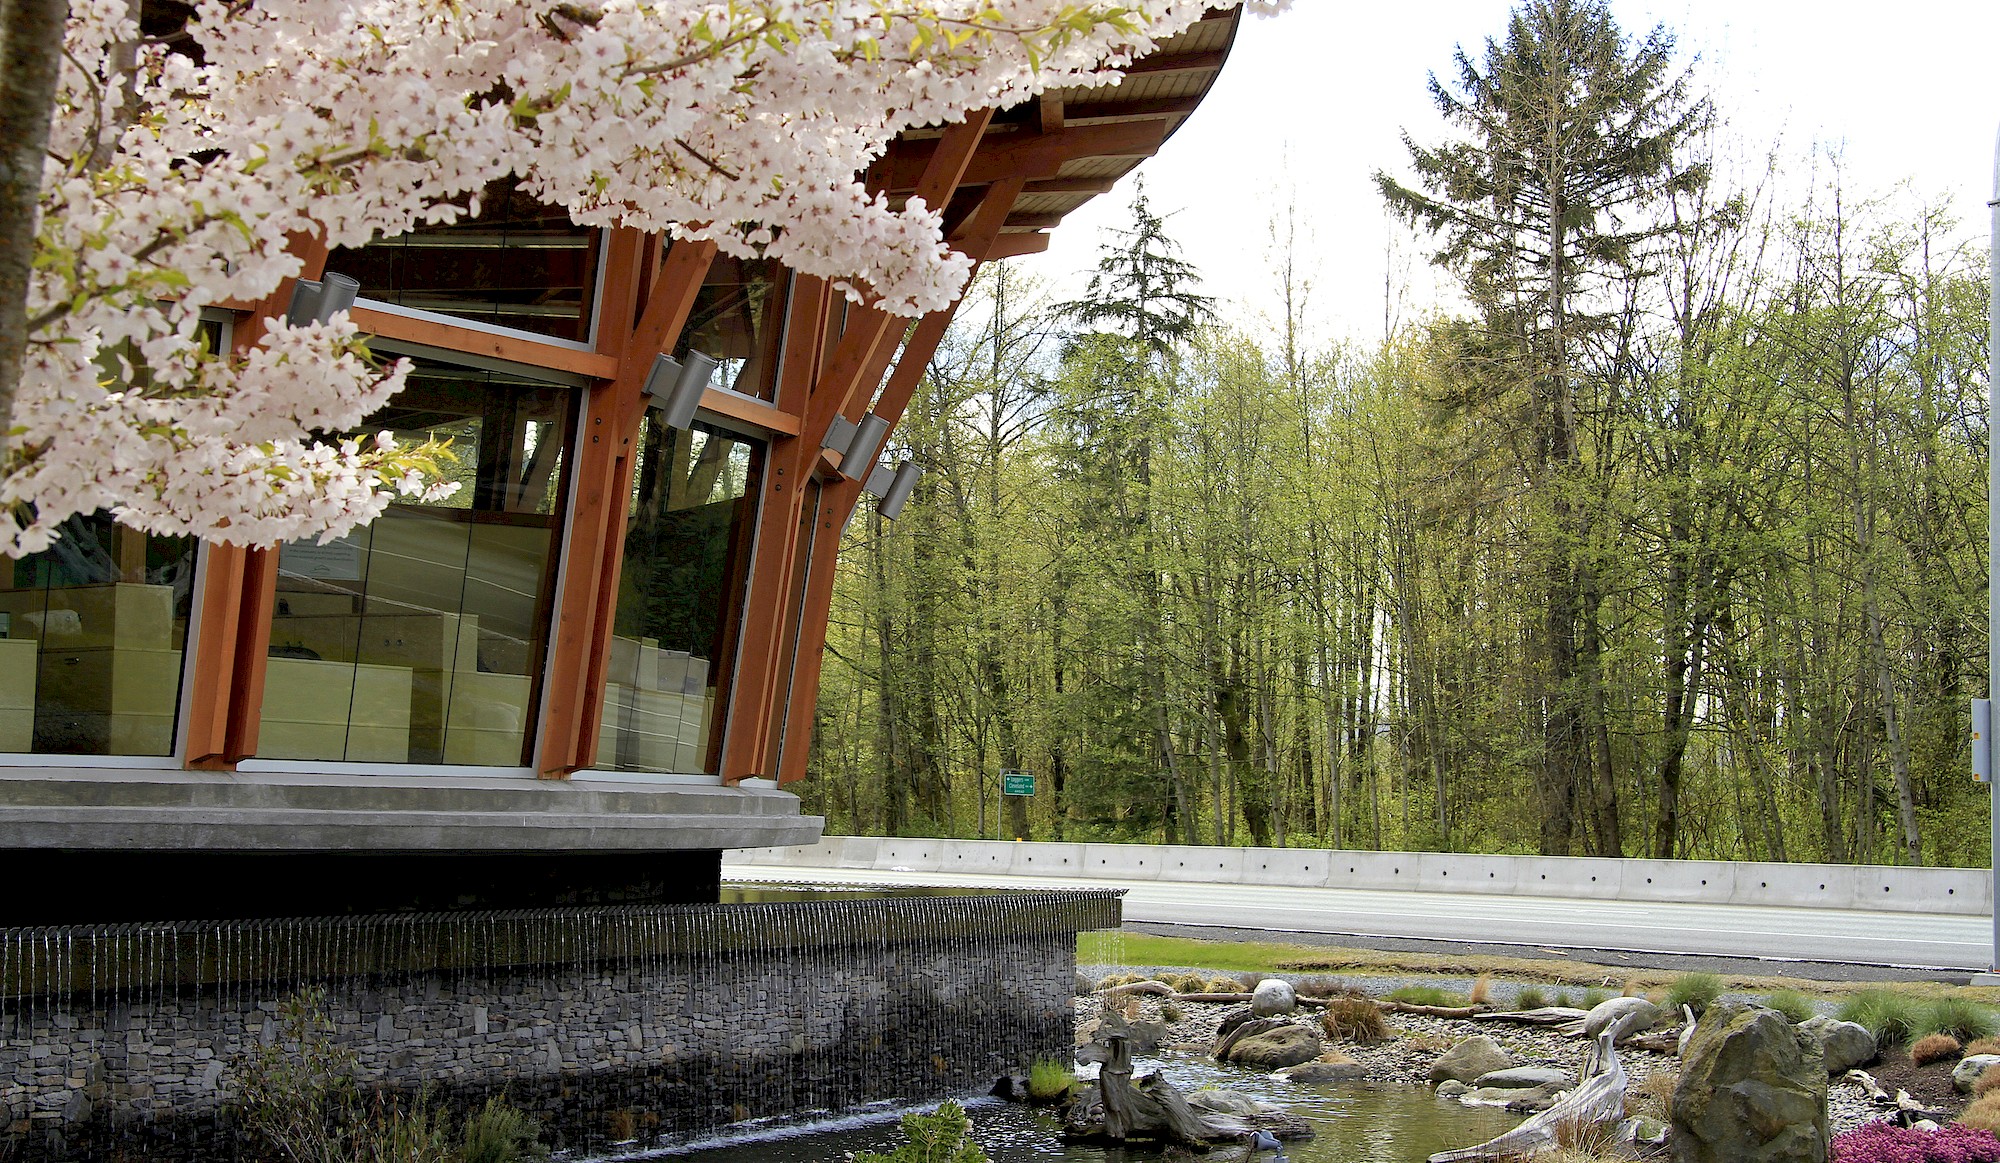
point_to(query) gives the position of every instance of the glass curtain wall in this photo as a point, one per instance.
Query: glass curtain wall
(680, 600)
(516, 264)
(738, 317)
(421, 637)
(92, 632)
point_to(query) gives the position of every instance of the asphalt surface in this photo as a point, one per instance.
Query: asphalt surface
(1830, 944)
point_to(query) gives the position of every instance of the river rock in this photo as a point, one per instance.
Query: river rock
(1469, 1059)
(1273, 997)
(1332, 1066)
(1752, 1090)
(1452, 1088)
(1523, 1078)
(1288, 1045)
(1969, 1069)
(1216, 1100)
(1845, 1045)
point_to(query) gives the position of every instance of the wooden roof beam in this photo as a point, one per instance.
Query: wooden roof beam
(1011, 245)
(1072, 186)
(1181, 62)
(1031, 155)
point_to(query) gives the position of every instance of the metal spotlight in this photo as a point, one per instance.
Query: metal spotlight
(674, 386)
(318, 301)
(862, 446)
(899, 490)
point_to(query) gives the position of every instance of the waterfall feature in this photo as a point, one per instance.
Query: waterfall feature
(604, 1022)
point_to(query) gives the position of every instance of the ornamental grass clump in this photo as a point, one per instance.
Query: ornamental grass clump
(1530, 997)
(1962, 1019)
(1697, 991)
(1982, 1046)
(1049, 1080)
(1983, 1114)
(1884, 1142)
(1354, 1019)
(1987, 1082)
(1791, 1003)
(1890, 1016)
(1934, 1048)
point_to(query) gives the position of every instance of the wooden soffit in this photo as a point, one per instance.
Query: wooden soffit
(1073, 144)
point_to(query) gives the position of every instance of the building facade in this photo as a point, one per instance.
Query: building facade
(591, 669)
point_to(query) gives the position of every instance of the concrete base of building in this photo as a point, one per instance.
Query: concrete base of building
(108, 844)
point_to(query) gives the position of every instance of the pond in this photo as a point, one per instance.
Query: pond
(1355, 1122)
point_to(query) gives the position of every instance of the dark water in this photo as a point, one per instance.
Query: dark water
(1355, 1123)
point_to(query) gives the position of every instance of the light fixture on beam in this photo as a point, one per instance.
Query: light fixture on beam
(318, 301)
(900, 485)
(674, 386)
(863, 446)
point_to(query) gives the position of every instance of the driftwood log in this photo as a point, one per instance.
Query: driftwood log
(1155, 988)
(1404, 1007)
(1148, 1109)
(1546, 1016)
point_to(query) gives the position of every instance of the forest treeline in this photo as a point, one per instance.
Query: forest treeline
(1668, 542)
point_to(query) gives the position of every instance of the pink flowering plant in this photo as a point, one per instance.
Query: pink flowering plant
(181, 168)
(1884, 1142)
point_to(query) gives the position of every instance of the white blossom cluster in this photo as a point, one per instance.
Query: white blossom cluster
(182, 171)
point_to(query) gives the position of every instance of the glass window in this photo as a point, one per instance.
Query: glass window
(91, 635)
(680, 598)
(420, 638)
(738, 316)
(517, 264)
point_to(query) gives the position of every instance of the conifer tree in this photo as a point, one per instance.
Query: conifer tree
(1567, 137)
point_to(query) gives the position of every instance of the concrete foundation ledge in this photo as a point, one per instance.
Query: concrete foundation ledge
(1873, 888)
(156, 810)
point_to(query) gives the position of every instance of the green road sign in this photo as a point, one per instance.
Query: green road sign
(1017, 783)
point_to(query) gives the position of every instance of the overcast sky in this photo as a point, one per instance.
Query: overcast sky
(1314, 101)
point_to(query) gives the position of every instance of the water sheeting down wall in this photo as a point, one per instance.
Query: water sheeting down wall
(607, 1023)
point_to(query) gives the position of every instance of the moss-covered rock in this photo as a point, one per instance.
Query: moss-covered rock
(1752, 1090)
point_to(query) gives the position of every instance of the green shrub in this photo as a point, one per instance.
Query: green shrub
(1791, 1003)
(1697, 991)
(499, 1133)
(1964, 1020)
(1530, 997)
(1888, 1015)
(1425, 995)
(1049, 1080)
(1594, 997)
(1562, 999)
(943, 1136)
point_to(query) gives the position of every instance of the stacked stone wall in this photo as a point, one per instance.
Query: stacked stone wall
(622, 1027)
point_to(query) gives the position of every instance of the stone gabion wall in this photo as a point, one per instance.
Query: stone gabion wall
(623, 1027)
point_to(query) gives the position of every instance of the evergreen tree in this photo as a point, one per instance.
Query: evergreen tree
(1568, 137)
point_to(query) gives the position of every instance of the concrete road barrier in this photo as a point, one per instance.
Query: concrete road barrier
(1876, 888)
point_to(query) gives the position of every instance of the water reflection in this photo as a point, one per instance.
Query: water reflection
(1355, 1123)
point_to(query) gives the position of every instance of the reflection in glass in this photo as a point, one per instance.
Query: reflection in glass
(737, 317)
(420, 638)
(91, 635)
(518, 264)
(680, 597)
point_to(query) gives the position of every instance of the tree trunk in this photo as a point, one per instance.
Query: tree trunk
(31, 46)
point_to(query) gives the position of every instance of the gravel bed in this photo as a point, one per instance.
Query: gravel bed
(1419, 1039)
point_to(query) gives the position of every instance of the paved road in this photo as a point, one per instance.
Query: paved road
(1832, 936)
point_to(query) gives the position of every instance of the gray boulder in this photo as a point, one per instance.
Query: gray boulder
(1845, 1045)
(1273, 997)
(1968, 1071)
(1469, 1059)
(1752, 1090)
(1319, 1070)
(1288, 1045)
(1524, 1078)
(1452, 1088)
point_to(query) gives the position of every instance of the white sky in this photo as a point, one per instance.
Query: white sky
(1313, 102)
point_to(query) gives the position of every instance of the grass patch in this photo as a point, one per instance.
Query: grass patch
(1049, 1080)
(1790, 1002)
(1530, 997)
(1697, 991)
(1892, 1017)
(1959, 1018)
